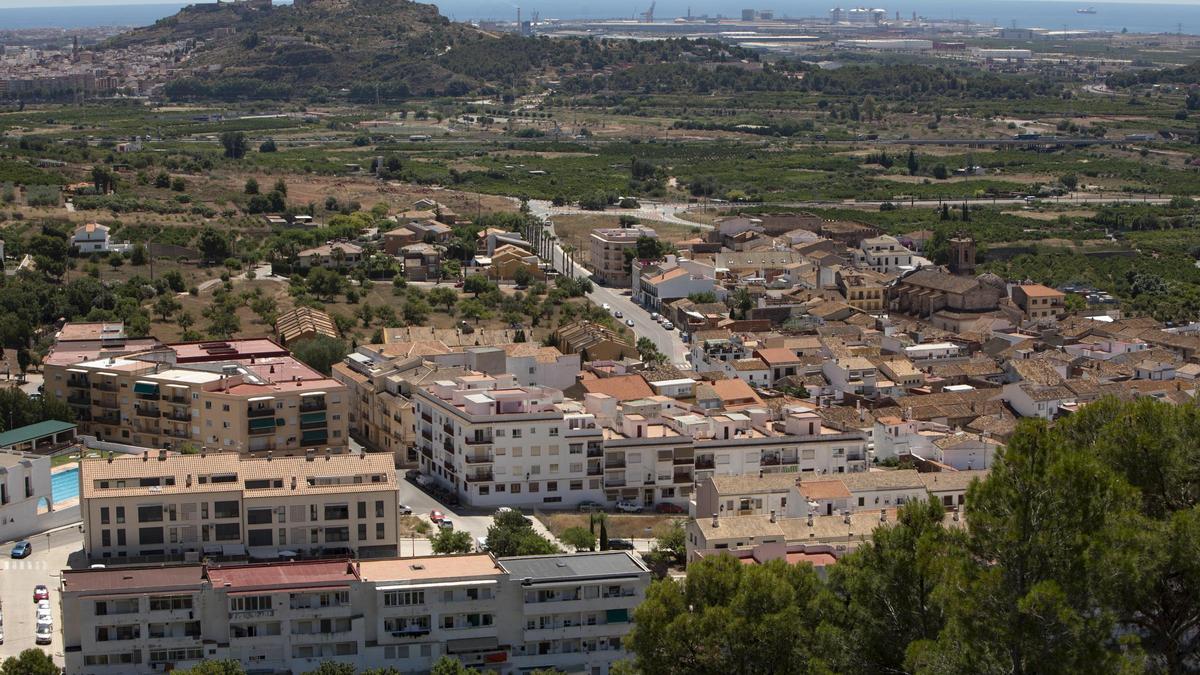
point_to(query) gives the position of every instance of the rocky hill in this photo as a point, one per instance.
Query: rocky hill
(376, 50)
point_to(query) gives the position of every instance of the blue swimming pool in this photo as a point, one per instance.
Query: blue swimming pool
(64, 485)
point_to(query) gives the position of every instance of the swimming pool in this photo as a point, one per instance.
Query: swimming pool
(64, 485)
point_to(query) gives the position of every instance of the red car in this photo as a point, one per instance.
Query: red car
(436, 516)
(40, 592)
(664, 507)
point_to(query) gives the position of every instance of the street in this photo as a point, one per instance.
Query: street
(51, 553)
(668, 342)
(475, 521)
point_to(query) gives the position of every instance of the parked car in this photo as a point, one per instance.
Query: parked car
(424, 480)
(655, 316)
(629, 507)
(43, 611)
(618, 314)
(405, 510)
(666, 507)
(590, 507)
(620, 545)
(40, 592)
(44, 633)
(436, 516)
(605, 307)
(503, 509)
(669, 326)
(22, 549)
(446, 524)
(629, 322)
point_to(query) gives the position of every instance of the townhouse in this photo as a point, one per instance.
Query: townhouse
(241, 395)
(508, 616)
(174, 507)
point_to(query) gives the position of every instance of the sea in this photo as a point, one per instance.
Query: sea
(1135, 17)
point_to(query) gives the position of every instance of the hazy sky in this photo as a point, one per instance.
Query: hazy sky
(732, 3)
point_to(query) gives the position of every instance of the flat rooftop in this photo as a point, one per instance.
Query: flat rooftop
(548, 567)
(431, 567)
(226, 350)
(130, 579)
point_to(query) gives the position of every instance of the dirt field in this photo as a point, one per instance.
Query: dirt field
(623, 526)
(1051, 215)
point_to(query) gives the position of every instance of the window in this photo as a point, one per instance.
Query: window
(250, 603)
(104, 515)
(121, 515)
(120, 537)
(553, 431)
(150, 535)
(516, 433)
(228, 531)
(379, 508)
(226, 509)
(162, 603)
(362, 531)
(362, 510)
(380, 529)
(338, 511)
(258, 516)
(337, 534)
(259, 537)
(401, 598)
(576, 485)
(552, 486)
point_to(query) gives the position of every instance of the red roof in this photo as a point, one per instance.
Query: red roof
(226, 350)
(284, 575)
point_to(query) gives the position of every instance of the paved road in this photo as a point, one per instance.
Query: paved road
(668, 342)
(263, 271)
(17, 579)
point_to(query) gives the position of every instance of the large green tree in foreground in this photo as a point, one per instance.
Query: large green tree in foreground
(1082, 555)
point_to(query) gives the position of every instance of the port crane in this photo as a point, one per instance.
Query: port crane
(648, 15)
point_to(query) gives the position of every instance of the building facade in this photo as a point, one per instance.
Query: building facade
(514, 615)
(179, 506)
(606, 249)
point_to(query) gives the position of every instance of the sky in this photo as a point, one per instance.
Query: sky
(732, 3)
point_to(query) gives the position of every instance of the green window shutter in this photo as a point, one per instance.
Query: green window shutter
(262, 423)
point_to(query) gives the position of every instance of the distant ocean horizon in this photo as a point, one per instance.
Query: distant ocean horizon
(1136, 17)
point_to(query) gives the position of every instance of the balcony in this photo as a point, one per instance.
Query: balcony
(427, 417)
(855, 457)
(111, 405)
(479, 459)
(177, 416)
(595, 452)
(80, 399)
(614, 463)
(478, 440)
(679, 461)
(448, 445)
(112, 420)
(146, 412)
(770, 460)
(78, 383)
(260, 412)
(447, 429)
(174, 433)
(175, 400)
(315, 406)
(706, 463)
(614, 482)
(427, 435)
(595, 470)
(480, 477)
(104, 386)
(682, 477)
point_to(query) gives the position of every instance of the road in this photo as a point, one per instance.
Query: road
(668, 342)
(17, 579)
(263, 271)
(475, 521)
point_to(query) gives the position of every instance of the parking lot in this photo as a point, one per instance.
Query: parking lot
(51, 553)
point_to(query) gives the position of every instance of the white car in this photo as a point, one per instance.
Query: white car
(618, 314)
(605, 307)
(629, 322)
(669, 326)
(405, 510)
(43, 611)
(44, 633)
(655, 316)
(629, 507)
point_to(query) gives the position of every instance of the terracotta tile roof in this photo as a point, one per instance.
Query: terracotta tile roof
(620, 387)
(898, 479)
(283, 575)
(735, 392)
(951, 481)
(743, 365)
(740, 527)
(124, 579)
(777, 356)
(303, 321)
(1040, 291)
(824, 489)
(433, 567)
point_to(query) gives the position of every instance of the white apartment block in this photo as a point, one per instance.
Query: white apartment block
(563, 612)
(24, 493)
(186, 507)
(495, 443)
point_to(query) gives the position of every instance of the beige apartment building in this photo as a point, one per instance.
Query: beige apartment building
(566, 613)
(240, 395)
(160, 506)
(606, 251)
(1038, 302)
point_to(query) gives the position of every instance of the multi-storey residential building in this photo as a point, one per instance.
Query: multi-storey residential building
(884, 254)
(495, 443)
(607, 247)
(177, 506)
(515, 615)
(1039, 303)
(241, 395)
(862, 289)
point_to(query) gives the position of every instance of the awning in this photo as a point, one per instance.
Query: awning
(262, 423)
(177, 386)
(479, 644)
(78, 370)
(143, 387)
(313, 393)
(309, 418)
(233, 549)
(260, 398)
(616, 616)
(108, 374)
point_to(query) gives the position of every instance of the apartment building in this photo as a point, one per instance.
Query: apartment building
(564, 612)
(240, 395)
(495, 443)
(1039, 303)
(884, 254)
(25, 493)
(607, 246)
(160, 506)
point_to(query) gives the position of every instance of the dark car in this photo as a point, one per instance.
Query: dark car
(620, 545)
(666, 507)
(22, 549)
